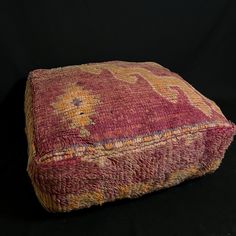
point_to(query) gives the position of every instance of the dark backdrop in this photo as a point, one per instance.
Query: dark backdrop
(193, 38)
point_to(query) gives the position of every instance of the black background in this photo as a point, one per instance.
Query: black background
(193, 38)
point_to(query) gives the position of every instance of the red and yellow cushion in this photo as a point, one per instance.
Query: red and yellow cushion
(105, 131)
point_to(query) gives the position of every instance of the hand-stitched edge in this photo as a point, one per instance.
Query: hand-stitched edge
(29, 121)
(57, 70)
(102, 150)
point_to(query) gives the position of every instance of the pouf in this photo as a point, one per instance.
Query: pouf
(99, 132)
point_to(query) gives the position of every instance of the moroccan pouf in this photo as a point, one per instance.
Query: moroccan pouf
(105, 131)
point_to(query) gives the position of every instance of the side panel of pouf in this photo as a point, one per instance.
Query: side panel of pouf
(77, 183)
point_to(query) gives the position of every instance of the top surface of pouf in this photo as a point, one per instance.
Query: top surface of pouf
(102, 103)
(95, 113)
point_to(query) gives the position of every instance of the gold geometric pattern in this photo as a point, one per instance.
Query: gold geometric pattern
(76, 106)
(163, 85)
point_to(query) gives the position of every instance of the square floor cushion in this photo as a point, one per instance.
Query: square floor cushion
(104, 131)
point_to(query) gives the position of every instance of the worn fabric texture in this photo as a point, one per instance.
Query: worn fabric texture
(104, 131)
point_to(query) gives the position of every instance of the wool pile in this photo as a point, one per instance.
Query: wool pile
(99, 132)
